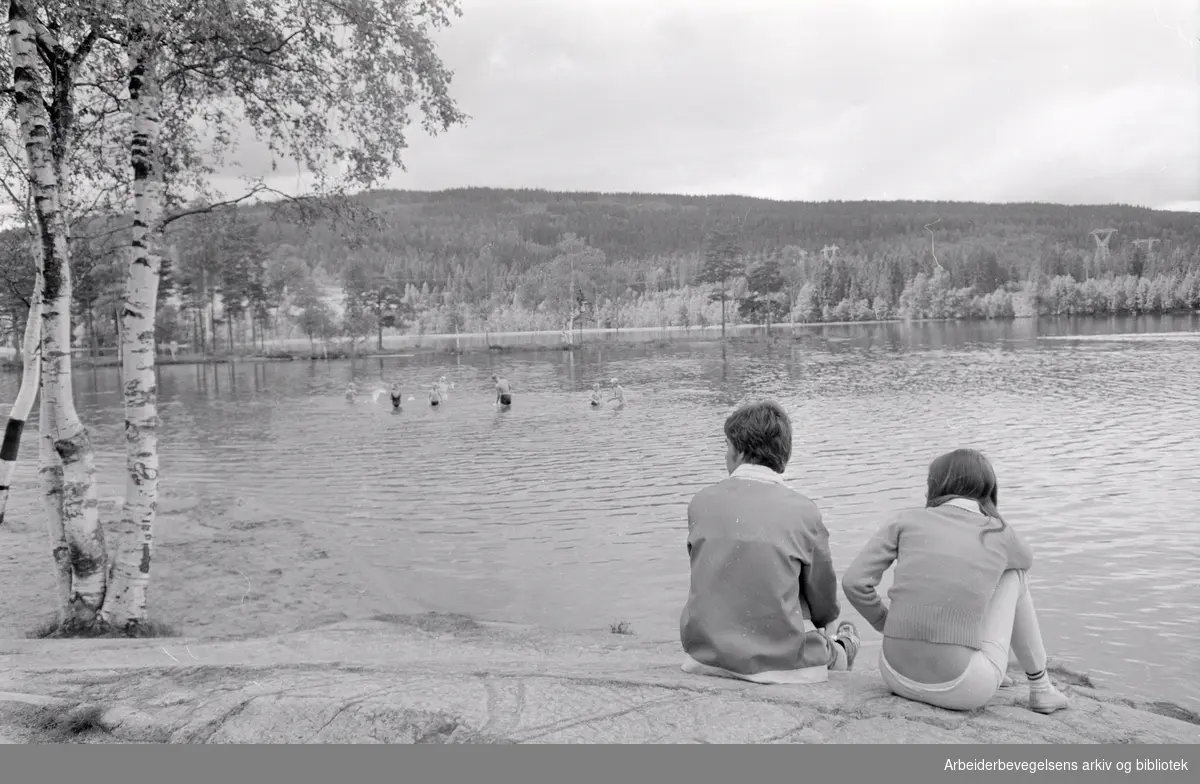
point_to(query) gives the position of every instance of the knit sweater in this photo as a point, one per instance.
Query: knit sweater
(761, 577)
(945, 574)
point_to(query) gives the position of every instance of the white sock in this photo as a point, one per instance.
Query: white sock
(1039, 682)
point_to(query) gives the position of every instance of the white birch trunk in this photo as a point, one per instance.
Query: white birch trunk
(31, 380)
(79, 508)
(50, 471)
(125, 606)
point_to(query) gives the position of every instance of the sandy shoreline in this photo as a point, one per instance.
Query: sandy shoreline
(219, 572)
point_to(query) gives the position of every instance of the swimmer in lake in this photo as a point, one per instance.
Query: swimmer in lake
(351, 393)
(503, 391)
(435, 395)
(618, 395)
(597, 398)
(397, 397)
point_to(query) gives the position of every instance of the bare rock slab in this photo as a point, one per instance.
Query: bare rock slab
(449, 679)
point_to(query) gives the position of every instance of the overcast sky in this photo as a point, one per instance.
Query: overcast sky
(1076, 101)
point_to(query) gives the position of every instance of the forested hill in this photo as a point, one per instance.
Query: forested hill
(482, 259)
(522, 227)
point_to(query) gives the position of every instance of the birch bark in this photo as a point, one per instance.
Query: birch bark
(31, 380)
(45, 150)
(126, 603)
(50, 472)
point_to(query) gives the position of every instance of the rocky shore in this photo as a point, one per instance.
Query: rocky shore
(449, 679)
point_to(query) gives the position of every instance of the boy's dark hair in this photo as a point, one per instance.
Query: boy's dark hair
(762, 432)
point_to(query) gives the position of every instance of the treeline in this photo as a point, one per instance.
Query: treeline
(504, 260)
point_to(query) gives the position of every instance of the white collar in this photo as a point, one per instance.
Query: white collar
(965, 503)
(756, 473)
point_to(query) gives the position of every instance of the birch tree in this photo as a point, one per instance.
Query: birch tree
(125, 603)
(31, 374)
(44, 69)
(15, 186)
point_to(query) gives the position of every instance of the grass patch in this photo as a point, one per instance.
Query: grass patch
(433, 622)
(621, 627)
(59, 724)
(1173, 711)
(1070, 677)
(50, 629)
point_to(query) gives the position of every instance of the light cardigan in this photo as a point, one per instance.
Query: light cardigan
(945, 573)
(761, 581)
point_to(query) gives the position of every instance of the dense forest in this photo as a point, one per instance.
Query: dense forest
(480, 259)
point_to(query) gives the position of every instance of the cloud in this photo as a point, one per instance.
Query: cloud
(1079, 101)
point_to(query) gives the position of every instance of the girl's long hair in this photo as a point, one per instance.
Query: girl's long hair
(965, 473)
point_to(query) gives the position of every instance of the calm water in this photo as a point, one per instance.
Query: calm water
(556, 514)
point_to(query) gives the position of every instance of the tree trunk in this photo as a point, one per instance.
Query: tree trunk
(93, 345)
(125, 606)
(116, 315)
(45, 152)
(379, 326)
(229, 331)
(31, 379)
(51, 474)
(202, 322)
(722, 312)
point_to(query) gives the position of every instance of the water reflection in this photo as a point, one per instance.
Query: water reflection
(558, 514)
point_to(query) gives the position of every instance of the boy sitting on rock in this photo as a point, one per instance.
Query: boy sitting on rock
(762, 581)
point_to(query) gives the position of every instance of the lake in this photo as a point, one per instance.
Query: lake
(556, 514)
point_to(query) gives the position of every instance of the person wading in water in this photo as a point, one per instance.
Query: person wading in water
(618, 395)
(503, 391)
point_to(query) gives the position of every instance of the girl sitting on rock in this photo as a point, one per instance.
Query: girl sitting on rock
(959, 599)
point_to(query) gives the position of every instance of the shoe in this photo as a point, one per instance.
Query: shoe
(847, 635)
(1047, 700)
(1007, 682)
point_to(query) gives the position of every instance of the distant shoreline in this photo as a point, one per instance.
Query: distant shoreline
(299, 349)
